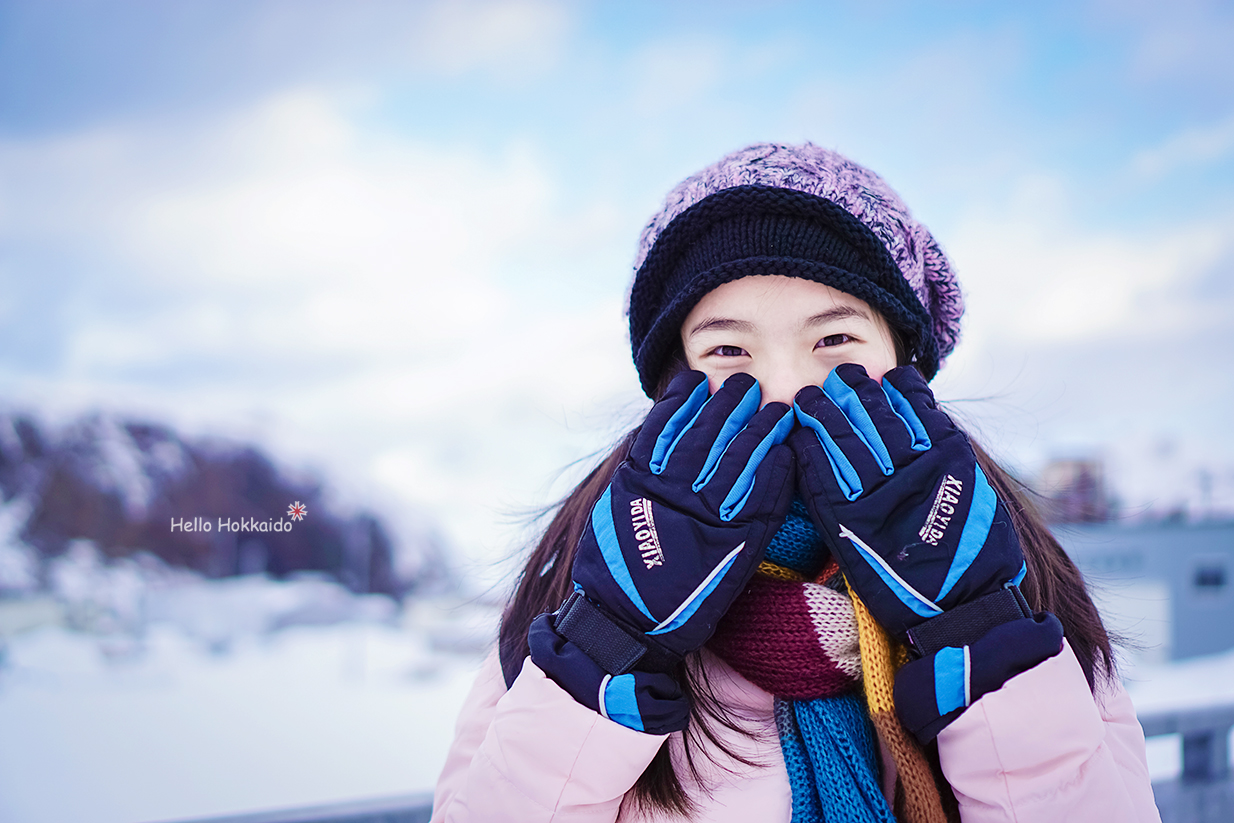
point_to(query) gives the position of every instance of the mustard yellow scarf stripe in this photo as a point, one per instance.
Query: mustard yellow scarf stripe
(917, 797)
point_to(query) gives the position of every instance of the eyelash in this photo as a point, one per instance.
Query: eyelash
(825, 343)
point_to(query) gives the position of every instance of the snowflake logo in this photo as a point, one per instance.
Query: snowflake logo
(297, 510)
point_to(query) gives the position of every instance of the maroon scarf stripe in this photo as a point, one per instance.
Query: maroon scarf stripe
(769, 637)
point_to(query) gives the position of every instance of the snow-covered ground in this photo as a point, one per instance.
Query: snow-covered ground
(234, 696)
(250, 694)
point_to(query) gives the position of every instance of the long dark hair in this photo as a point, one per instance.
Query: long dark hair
(1053, 583)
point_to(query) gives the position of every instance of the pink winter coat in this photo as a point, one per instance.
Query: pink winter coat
(1038, 749)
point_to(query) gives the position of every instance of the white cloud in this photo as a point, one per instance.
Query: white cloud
(293, 232)
(1197, 146)
(511, 39)
(371, 299)
(935, 118)
(669, 74)
(1089, 339)
(303, 194)
(1183, 40)
(1034, 274)
(446, 319)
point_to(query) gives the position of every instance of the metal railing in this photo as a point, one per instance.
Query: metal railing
(1203, 792)
(417, 808)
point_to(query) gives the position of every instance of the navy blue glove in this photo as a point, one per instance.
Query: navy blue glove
(671, 543)
(894, 486)
(922, 538)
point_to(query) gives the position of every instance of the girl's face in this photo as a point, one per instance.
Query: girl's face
(786, 332)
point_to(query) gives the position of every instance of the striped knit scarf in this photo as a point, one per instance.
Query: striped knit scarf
(798, 633)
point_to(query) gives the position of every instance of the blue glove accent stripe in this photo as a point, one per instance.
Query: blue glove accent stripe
(904, 411)
(736, 499)
(1019, 578)
(976, 530)
(952, 676)
(850, 404)
(846, 475)
(732, 426)
(618, 701)
(677, 426)
(915, 600)
(687, 609)
(610, 548)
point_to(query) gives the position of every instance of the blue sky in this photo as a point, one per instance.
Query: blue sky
(391, 240)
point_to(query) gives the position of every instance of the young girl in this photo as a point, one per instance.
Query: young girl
(797, 591)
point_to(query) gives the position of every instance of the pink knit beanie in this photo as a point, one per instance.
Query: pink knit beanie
(852, 232)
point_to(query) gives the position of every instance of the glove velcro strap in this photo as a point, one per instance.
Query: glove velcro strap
(968, 622)
(585, 625)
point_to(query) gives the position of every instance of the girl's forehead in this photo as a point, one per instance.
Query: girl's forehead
(772, 296)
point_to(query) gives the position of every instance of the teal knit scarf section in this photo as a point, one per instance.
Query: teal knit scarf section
(829, 742)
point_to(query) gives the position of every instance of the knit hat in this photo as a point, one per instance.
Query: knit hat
(799, 211)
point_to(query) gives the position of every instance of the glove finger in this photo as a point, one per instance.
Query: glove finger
(768, 501)
(915, 404)
(817, 480)
(697, 450)
(887, 434)
(853, 465)
(872, 575)
(729, 488)
(671, 416)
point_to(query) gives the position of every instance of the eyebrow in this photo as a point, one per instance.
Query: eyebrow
(722, 324)
(730, 324)
(834, 313)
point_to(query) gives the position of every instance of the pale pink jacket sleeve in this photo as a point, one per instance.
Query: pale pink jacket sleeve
(1042, 749)
(1038, 749)
(534, 754)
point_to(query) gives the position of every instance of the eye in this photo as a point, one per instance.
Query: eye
(833, 340)
(728, 351)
